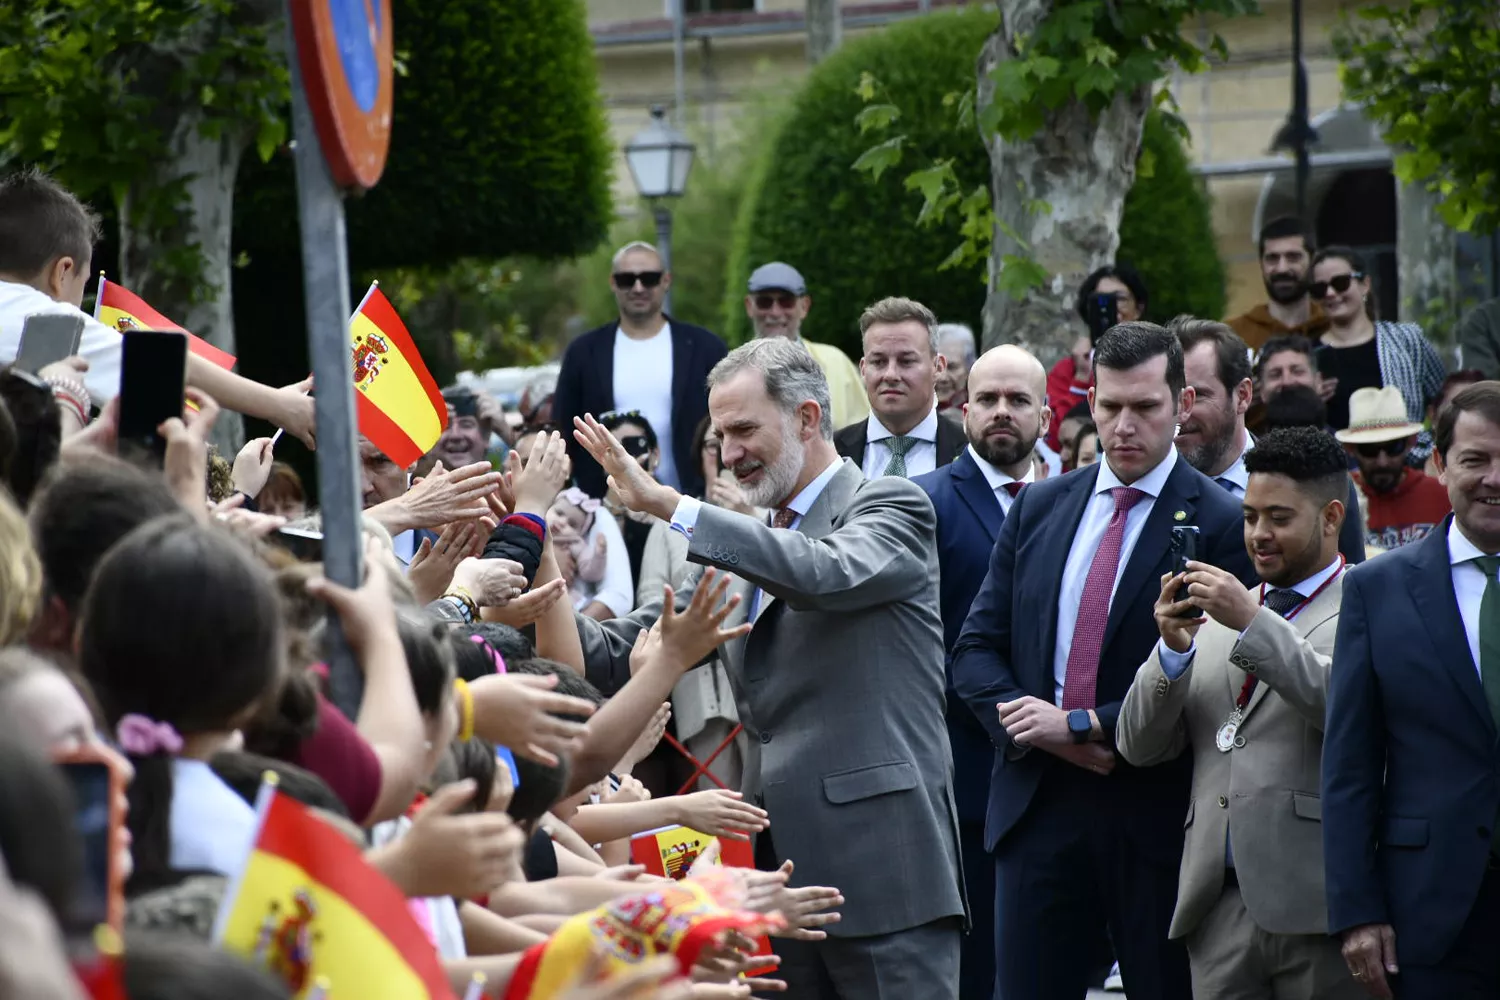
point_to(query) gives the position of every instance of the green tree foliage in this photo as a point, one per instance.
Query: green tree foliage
(1425, 70)
(851, 234)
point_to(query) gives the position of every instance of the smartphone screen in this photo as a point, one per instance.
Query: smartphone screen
(47, 338)
(91, 818)
(306, 545)
(153, 372)
(1104, 312)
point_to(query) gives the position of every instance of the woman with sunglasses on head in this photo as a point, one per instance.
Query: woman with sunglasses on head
(1359, 351)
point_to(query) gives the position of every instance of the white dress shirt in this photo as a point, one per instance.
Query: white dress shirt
(101, 345)
(998, 480)
(1468, 584)
(1235, 479)
(920, 457)
(1096, 518)
(643, 382)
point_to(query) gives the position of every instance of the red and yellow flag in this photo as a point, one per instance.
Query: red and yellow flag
(308, 907)
(115, 307)
(671, 850)
(399, 406)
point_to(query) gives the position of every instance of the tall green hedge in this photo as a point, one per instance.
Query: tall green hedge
(855, 239)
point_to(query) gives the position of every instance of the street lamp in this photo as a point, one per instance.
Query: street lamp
(660, 157)
(1298, 134)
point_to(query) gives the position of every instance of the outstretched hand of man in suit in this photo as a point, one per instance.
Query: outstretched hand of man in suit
(631, 483)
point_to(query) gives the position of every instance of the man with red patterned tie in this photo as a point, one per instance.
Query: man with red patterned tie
(1085, 844)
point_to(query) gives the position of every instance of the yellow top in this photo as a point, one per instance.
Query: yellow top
(845, 388)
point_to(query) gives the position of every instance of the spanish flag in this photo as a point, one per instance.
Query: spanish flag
(670, 851)
(399, 406)
(676, 918)
(308, 907)
(122, 310)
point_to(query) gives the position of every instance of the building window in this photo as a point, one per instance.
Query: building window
(691, 7)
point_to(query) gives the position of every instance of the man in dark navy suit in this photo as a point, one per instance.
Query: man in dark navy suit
(644, 361)
(1005, 415)
(1083, 842)
(1411, 762)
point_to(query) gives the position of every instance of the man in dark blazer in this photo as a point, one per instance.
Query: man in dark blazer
(1411, 773)
(644, 361)
(1006, 414)
(903, 435)
(1083, 842)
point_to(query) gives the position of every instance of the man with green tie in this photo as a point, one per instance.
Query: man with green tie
(903, 436)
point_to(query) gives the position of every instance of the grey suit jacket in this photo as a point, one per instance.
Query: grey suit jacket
(1266, 792)
(840, 685)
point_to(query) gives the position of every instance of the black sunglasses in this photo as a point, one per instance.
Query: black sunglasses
(625, 280)
(636, 445)
(1339, 283)
(765, 300)
(1392, 448)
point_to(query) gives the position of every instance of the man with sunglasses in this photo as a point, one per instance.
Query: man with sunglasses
(1404, 503)
(1285, 251)
(777, 302)
(643, 361)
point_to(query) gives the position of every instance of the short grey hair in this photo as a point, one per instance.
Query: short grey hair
(957, 333)
(791, 374)
(614, 261)
(898, 310)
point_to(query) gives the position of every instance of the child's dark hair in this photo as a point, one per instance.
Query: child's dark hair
(181, 626)
(244, 772)
(538, 789)
(176, 967)
(568, 682)
(473, 658)
(510, 643)
(429, 656)
(472, 760)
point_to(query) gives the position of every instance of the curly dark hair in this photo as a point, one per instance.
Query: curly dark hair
(1308, 456)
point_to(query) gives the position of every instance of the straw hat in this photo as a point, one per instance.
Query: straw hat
(1377, 415)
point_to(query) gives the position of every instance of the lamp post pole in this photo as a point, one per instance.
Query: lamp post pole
(663, 216)
(1299, 112)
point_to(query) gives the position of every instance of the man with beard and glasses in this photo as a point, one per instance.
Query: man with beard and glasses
(644, 361)
(1404, 503)
(1240, 689)
(1006, 414)
(1213, 438)
(840, 684)
(1285, 260)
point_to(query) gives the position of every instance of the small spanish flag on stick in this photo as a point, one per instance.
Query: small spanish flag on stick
(398, 404)
(309, 907)
(115, 307)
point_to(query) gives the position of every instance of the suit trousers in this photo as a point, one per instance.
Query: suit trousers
(1067, 884)
(1234, 959)
(977, 968)
(1471, 969)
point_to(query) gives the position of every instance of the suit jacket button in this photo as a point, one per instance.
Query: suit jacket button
(1249, 666)
(734, 560)
(765, 737)
(1223, 802)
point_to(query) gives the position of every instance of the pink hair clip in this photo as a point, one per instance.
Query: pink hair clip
(495, 656)
(142, 737)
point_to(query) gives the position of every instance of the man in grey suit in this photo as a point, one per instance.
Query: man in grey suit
(840, 682)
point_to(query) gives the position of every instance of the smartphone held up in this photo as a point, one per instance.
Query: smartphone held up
(1185, 538)
(153, 376)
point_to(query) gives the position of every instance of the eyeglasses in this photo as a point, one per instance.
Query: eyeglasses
(625, 280)
(1339, 283)
(765, 300)
(636, 445)
(1393, 449)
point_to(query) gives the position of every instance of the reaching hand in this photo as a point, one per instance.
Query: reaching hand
(631, 483)
(445, 854)
(368, 615)
(724, 491)
(1033, 722)
(1095, 757)
(1221, 595)
(630, 790)
(720, 813)
(252, 466)
(544, 475)
(296, 413)
(654, 979)
(1176, 626)
(447, 496)
(806, 909)
(521, 711)
(685, 637)
(186, 463)
(432, 565)
(647, 741)
(530, 606)
(493, 582)
(252, 524)
(102, 436)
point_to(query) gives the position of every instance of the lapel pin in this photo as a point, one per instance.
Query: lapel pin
(1181, 515)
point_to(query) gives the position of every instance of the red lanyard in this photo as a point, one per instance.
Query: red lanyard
(1248, 688)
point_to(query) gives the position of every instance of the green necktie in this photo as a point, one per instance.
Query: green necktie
(899, 444)
(1489, 634)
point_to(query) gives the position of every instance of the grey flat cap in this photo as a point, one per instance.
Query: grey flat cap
(777, 275)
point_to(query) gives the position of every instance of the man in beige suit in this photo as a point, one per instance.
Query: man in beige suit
(1242, 686)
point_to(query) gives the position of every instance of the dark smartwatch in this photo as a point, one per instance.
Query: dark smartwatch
(1080, 725)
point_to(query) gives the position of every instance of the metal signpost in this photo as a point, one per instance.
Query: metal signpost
(342, 84)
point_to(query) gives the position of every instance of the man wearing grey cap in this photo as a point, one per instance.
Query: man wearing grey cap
(777, 304)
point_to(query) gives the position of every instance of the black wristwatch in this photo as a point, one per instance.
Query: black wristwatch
(1080, 724)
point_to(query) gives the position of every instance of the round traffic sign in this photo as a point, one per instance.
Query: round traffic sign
(345, 53)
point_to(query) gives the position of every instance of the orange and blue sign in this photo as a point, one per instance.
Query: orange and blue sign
(345, 52)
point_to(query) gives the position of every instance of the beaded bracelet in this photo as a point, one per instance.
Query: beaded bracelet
(465, 709)
(462, 596)
(72, 394)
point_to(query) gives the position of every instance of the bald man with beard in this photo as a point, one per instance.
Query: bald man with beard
(1006, 414)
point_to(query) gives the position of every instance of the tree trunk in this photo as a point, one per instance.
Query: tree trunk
(1425, 263)
(1082, 167)
(825, 29)
(205, 169)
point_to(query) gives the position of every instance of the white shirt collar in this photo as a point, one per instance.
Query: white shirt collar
(995, 477)
(1460, 549)
(1310, 586)
(925, 431)
(1236, 473)
(802, 502)
(1152, 483)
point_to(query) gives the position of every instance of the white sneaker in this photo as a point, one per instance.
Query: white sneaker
(1112, 982)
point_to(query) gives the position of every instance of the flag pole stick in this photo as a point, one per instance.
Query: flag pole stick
(99, 294)
(476, 987)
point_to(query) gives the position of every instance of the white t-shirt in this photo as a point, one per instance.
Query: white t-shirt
(617, 590)
(211, 826)
(100, 345)
(643, 381)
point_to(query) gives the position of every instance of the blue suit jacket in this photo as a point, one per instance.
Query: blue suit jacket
(1005, 650)
(968, 522)
(1411, 765)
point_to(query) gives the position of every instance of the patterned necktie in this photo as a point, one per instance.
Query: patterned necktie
(1283, 602)
(1082, 677)
(899, 444)
(783, 518)
(1014, 489)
